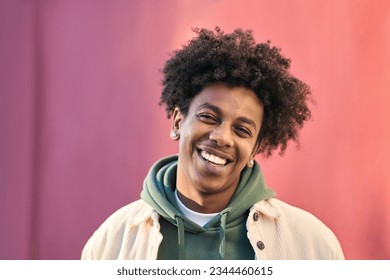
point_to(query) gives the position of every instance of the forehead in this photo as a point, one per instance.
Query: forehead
(236, 101)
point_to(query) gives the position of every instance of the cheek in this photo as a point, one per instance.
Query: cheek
(248, 149)
(187, 138)
(192, 131)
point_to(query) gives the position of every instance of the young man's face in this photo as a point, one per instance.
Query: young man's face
(218, 138)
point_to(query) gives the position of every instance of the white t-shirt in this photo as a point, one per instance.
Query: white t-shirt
(198, 218)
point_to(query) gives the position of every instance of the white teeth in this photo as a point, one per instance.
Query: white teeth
(214, 159)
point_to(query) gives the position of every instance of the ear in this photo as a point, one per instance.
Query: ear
(177, 118)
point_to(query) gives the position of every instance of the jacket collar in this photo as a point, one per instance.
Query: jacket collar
(144, 213)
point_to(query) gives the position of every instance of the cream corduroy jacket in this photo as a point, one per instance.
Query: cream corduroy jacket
(276, 230)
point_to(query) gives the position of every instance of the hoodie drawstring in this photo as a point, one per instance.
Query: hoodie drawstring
(180, 236)
(223, 235)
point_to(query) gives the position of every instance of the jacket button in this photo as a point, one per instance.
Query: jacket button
(260, 245)
(255, 216)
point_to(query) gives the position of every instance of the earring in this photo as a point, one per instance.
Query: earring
(251, 162)
(174, 135)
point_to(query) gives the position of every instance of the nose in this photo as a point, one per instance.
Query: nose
(222, 135)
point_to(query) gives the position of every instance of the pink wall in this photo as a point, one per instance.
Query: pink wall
(80, 124)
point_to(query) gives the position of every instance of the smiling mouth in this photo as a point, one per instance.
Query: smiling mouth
(216, 160)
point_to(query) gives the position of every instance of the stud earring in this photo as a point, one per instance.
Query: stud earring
(174, 135)
(251, 162)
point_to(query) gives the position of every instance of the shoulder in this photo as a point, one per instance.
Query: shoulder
(133, 213)
(299, 227)
(115, 228)
(276, 209)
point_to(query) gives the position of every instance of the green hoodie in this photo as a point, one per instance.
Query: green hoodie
(224, 237)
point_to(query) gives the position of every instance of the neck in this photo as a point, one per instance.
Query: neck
(203, 202)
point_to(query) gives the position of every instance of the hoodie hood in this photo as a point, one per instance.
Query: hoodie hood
(160, 184)
(159, 192)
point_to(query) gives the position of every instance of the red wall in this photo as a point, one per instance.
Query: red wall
(80, 123)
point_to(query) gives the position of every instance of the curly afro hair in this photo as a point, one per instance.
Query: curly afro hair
(238, 61)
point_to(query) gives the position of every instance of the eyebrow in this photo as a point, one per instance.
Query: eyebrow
(217, 110)
(211, 107)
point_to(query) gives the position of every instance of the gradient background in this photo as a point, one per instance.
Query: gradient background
(80, 123)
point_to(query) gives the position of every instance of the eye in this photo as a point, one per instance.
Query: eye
(243, 131)
(207, 118)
